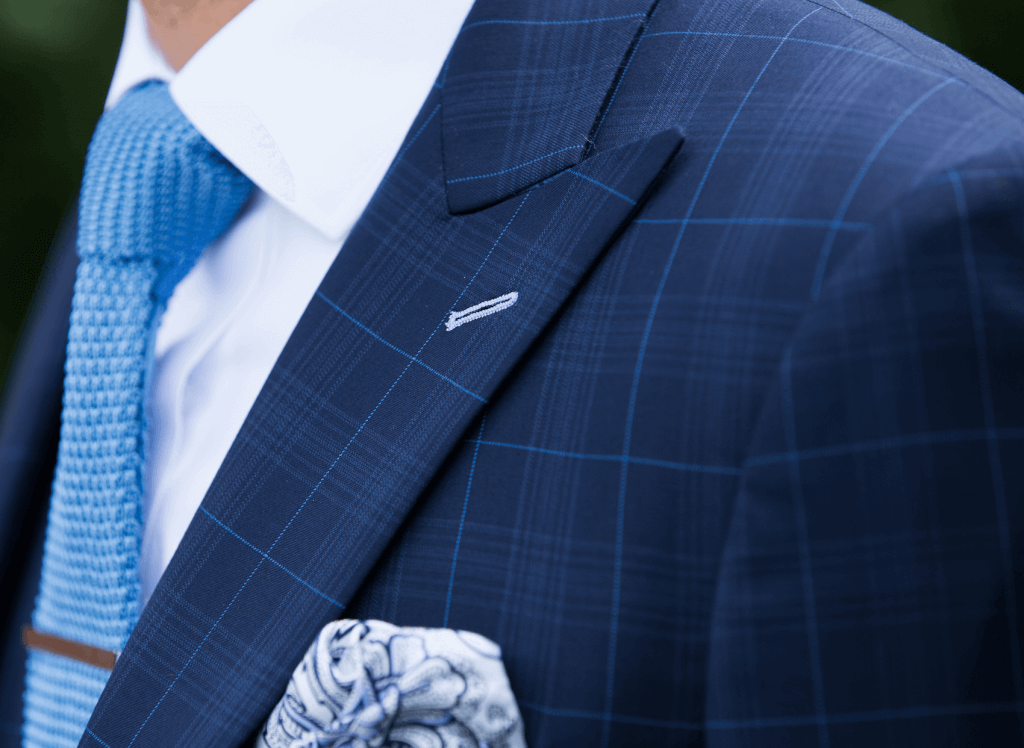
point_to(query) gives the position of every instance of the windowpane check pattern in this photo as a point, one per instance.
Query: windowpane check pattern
(740, 466)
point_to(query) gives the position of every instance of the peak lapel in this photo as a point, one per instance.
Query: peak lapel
(373, 390)
(524, 88)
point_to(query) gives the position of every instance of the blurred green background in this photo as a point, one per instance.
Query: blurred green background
(57, 56)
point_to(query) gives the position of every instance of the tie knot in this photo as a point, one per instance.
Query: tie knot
(154, 188)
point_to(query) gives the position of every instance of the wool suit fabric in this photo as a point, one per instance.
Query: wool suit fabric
(741, 465)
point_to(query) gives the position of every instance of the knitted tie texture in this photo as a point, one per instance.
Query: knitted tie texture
(155, 193)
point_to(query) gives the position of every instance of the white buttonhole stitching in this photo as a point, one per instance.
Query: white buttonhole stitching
(480, 310)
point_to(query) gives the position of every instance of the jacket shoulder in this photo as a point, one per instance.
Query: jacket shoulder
(835, 66)
(804, 109)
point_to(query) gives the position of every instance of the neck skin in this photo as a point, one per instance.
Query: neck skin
(180, 27)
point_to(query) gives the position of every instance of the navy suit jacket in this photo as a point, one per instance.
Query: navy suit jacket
(741, 466)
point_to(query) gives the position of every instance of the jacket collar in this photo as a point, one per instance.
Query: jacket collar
(523, 89)
(373, 391)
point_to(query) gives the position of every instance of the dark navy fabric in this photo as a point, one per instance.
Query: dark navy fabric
(742, 464)
(869, 589)
(28, 453)
(494, 92)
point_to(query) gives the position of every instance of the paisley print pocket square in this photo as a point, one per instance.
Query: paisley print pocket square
(369, 684)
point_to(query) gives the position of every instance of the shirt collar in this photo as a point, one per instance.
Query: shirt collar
(310, 99)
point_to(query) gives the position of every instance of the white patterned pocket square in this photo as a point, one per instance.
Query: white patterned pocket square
(369, 684)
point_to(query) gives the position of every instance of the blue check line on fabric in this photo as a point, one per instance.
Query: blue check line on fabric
(519, 166)
(671, 724)
(913, 440)
(279, 565)
(878, 715)
(874, 445)
(96, 737)
(800, 721)
(575, 22)
(462, 521)
(798, 40)
(613, 633)
(629, 200)
(395, 348)
(811, 223)
(844, 10)
(681, 466)
(826, 249)
(992, 440)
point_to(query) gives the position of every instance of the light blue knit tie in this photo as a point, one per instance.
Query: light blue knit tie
(154, 195)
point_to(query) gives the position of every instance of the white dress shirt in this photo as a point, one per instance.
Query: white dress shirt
(311, 99)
